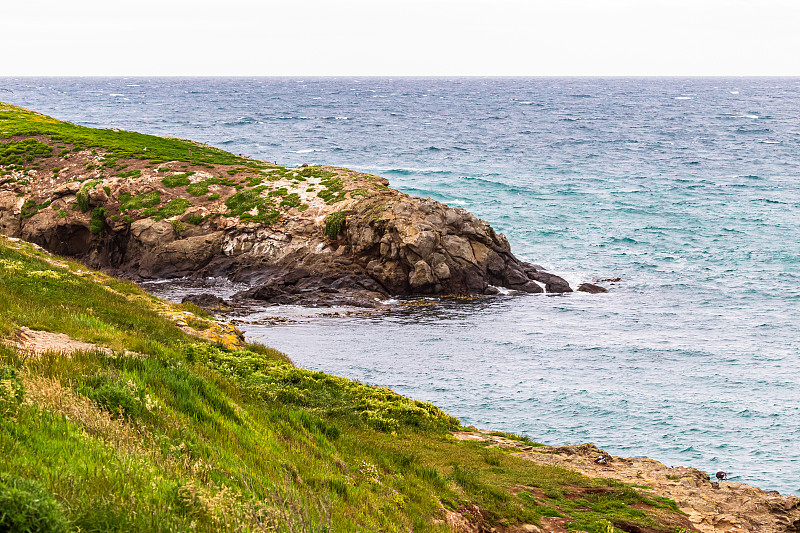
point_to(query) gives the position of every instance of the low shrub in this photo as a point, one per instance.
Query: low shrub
(334, 224)
(25, 506)
(177, 180)
(291, 200)
(120, 398)
(98, 224)
(82, 196)
(174, 208)
(139, 201)
(178, 226)
(130, 174)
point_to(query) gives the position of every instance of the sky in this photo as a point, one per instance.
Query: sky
(401, 38)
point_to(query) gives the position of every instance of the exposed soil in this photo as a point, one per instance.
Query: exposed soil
(38, 342)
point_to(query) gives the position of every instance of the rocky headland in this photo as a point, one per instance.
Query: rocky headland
(312, 234)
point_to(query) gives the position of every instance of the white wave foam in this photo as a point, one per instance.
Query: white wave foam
(502, 290)
(133, 85)
(116, 94)
(746, 116)
(734, 92)
(770, 142)
(684, 97)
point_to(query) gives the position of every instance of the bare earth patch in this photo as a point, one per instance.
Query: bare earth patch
(38, 342)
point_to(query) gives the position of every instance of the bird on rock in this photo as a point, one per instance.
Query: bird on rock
(722, 476)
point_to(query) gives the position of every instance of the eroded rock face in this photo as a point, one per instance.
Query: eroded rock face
(390, 244)
(420, 246)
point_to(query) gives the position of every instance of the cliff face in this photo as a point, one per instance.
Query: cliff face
(319, 234)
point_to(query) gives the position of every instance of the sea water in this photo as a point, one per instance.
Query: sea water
(685, 189)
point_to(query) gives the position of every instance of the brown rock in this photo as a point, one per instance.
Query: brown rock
(591, 288)
(422, 276)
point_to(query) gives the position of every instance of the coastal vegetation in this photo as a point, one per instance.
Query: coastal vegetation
(167, 421)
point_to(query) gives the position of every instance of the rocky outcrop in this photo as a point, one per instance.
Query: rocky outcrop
(318, 235)
(389, 244)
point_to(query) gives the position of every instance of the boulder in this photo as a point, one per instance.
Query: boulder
(591, 288)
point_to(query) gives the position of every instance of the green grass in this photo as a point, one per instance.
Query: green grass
(177, 180)
(16, 121)
(143, 200)
(174, 208)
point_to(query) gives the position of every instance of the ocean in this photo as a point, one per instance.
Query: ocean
(685, 189)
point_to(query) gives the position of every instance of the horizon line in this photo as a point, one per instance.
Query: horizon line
(417, 76)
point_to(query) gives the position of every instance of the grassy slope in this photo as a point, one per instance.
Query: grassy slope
(181, 433)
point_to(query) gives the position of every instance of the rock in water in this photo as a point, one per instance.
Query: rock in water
(591, 288)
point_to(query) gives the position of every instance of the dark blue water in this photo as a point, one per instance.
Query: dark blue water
(687, 189)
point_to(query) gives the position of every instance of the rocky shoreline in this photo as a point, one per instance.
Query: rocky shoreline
(709, 506)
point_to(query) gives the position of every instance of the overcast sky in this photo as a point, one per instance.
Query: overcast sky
(401, 37)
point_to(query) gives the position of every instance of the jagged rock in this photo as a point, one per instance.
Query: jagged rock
(708, 507)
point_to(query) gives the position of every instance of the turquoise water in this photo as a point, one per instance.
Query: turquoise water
(686, 189)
